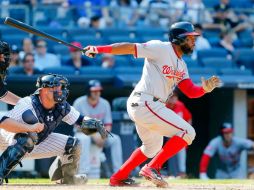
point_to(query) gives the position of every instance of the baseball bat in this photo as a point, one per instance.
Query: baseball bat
(27, 28)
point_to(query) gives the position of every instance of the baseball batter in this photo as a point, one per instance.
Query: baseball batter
(163, 70)
(48, 106)
(10, 98)
(229, 149)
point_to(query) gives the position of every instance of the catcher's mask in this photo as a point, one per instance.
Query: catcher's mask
(6, 51)
(178, 33)
(93, 85)
(54, 80)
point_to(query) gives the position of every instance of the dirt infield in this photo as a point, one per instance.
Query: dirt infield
(173, 185)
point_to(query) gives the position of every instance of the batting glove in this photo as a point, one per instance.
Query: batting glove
(211, 83)
(90, 51)
(203, 176)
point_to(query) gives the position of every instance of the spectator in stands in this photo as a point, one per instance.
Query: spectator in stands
(201, 42)
(155, 12)
(226, 19)
(96, 22)
(229, 149)
(77, 60)
(226, 42)
(190, 10)
(125, 12)
(28, 66)
(89, 8)
(180, 109)
(43, 59)
(27, 47)
(108, 61)
(15, 60)
(93, 105)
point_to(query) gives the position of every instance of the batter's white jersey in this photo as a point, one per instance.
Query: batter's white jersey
(53, 145)
(162, 70)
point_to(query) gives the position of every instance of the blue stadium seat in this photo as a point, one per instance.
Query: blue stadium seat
(202, 71)
(235, 71)
(14, 69)
(105, 33)
(61, 50)
(117, 39)
(89, 40)
(122, 61)
(214, 52)
(217, 62)
(129, 70)
(64, 70)
(190, 62)
(244, 56)
(95, 70)
(210, 3)
(137, 62)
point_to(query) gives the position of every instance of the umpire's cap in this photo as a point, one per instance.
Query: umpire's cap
(179, 30)
(226, 128)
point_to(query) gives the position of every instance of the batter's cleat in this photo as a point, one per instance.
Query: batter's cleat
(122, 182)
(153, 175)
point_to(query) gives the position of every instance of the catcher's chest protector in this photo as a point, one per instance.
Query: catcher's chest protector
(51, 118)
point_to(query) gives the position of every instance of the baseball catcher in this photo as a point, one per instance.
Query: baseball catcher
(47, 106)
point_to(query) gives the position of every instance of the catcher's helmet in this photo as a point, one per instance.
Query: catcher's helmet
(94, 85)
(53, 80)
(226, 128)
(179, 30)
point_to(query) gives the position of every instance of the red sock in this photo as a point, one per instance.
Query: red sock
(136, 158)
(173, 146)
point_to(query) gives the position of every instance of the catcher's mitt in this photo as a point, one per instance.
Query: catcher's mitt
(90, 126)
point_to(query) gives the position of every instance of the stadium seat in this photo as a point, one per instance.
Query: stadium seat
(214, 52)
(137, 62)
(210, 3)
(244, 56)
(235, 71)
(64, 70)
(202, 71)
(128, 70)
(190, 62)
(217, 62)
(122, 61)
(61, 50)
(95, 70)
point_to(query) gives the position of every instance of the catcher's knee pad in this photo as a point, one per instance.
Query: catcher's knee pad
(188, 135)
(15, 153)
(150, 149)
(65, 167)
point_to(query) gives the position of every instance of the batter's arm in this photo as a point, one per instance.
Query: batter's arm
(115, 49)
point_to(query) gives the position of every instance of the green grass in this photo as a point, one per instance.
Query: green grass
(105, 181)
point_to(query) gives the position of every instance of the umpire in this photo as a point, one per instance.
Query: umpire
(48, 106)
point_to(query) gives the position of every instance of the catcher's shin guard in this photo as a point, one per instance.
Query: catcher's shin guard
(15, 153)
(65, 167)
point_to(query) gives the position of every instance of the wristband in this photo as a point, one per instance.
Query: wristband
(104, 49)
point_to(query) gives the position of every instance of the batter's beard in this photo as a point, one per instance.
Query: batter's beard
(186, 49)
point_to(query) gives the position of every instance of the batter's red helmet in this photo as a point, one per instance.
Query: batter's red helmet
(179, 30)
